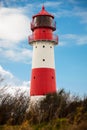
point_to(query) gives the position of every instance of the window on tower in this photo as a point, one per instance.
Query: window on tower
(43, 59)
(43, 30)
(43, 46)
(52, 77)
(43, 21)
(34, 77)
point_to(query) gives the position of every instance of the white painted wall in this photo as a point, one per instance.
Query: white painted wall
(40, 53)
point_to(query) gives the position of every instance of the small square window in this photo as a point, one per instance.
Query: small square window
(43, 46)
(43, 59)
(52, 77)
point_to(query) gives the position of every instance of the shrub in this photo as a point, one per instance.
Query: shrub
(13, 109)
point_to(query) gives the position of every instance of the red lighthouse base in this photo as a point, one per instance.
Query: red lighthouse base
(42, 81)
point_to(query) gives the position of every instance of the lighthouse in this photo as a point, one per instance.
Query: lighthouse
(43, 77)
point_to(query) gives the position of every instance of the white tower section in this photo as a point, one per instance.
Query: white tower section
(43, 55)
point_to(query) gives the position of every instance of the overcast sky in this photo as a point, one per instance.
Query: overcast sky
(70, 54)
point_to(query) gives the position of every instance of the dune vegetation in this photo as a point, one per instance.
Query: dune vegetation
(58, 111)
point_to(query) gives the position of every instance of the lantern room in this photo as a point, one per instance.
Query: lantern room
(42, 27)
(43, 19)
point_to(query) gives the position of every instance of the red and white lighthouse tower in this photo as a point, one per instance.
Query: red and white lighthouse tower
(43, 79)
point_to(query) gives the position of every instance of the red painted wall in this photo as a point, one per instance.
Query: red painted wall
(42, 81)
(42, 33)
